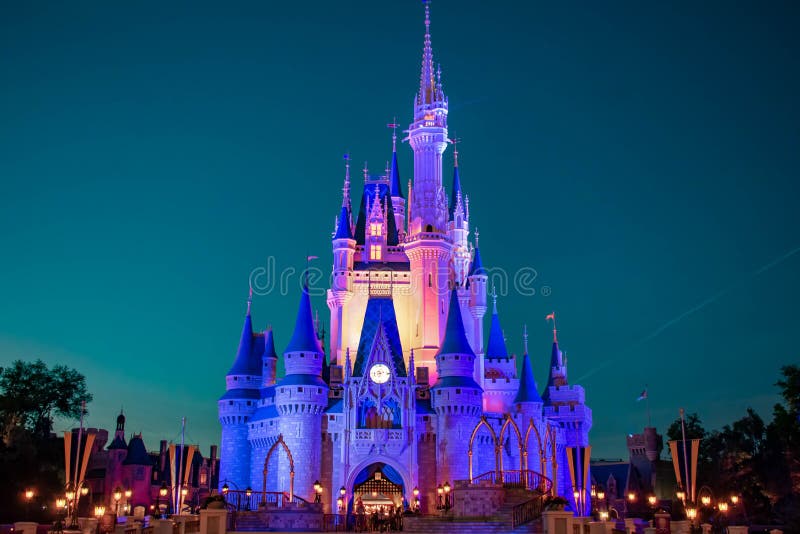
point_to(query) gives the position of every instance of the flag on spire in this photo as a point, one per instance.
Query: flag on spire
(550, 317)
(643, 396)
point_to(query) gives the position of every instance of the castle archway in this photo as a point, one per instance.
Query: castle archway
(489, 438)
(291, 467)
(395, 474)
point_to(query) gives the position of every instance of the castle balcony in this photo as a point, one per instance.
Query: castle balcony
(379, 435)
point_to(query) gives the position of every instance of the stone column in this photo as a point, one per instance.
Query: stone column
(555, 521)
(213, 521)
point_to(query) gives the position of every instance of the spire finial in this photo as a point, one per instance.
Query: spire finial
(525, 337)
(455, 149)
(393, 125)
(386, 170)
(427, 85)
(346, 187)
(366, 171)
(477, 237)
(249, 299)
(494, 300)
(552, 317)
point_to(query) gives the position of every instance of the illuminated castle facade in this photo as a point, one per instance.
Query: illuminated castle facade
(410, 393)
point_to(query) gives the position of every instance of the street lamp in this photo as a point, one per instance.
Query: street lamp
(681, 495)
(162, 492)
(28, 498)
(652, 500)
(61, 508)
(247, 493)
(631, 496)
(128, 495)
(117, 497)
(70, 494)
(734, 499)
(446, 496)
(439, 493)
(99, 512)
(317, 491)
(723, 506)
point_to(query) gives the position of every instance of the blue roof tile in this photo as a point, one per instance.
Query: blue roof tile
(248, 357)
(137, 453)
(269, 344)
(241, 394)
(302, 380)
(527, 383)
(476, 267)
(496, 347)
(397, 190)
(455, 338)
(304, 338)
(335, 406)
(456, 382)
(265, 412)
(343, 230)
(455, 191)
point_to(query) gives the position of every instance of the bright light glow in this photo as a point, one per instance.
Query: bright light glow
(99, 511)
(706, 500)
(691, 513)
(342, 491)
(61, 503)
(29, 494)
(601, 495)
(734, 499)
(652, 500)
(185, 491)
(576, 495)
(723, 507)
(117, 494)
(631, 496)
(681, 494)
(375, 252)
(604, 516)
(128, 493)
(447, 487)
(375, 229)
(70, 494)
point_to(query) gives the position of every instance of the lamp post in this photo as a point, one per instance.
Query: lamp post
(162, 492)
(99, 512)
(317, 492)
(117, 496)
(415, 492)
(446, 496)
(61, 511)
(28, 497)
(71, 496)
(439, 497)
(247, 493)
(128, 495)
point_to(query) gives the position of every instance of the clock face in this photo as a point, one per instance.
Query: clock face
(379, 373)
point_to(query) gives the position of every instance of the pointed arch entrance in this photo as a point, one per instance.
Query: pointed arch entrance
(365, 471)
(266, 468)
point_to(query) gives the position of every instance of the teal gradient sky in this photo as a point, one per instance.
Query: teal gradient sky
(642, 157)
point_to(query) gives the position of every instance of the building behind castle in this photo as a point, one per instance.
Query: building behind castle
(411, 393)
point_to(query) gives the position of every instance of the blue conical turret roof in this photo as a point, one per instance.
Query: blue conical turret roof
(455, 192)
(527, 384)
(343, 230)
(137, 453)
(269, 345)
(304, 338)
(555, 362)
(455, 338)
(476, 267)
(496, 348)
(397, 191)
(248, 356)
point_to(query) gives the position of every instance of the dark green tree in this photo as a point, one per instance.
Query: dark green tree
(31, 395)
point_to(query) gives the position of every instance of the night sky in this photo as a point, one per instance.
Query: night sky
(641, 157)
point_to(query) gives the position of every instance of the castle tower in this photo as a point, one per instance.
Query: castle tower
(477, 280)
(500, 368)
(344, 250)
(426, 245)
(458, 229)
(238, 404)
(456, 398)
(528, 403)
(301, 396)
(398, 200)
(116, 455)
(137, 471)
(270, 359)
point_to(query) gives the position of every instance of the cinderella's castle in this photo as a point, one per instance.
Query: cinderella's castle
(411, 395)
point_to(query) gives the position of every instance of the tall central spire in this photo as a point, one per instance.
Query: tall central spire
(427, 84)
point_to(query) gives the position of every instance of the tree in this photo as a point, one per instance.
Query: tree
(31, 395)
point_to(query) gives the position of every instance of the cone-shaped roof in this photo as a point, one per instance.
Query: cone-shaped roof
(397, 190)
(269, 344)
(455, 192)
(455, 338)
(304, 338)
(476, 267)
(496, 348)
(528, 391)
(248, 356)
(555, 362)
(343, 230)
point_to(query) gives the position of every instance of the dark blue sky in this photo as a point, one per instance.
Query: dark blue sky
(642, 157)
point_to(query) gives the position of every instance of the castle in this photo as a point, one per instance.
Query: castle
(410, 395)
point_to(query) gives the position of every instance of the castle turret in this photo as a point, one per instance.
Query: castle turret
(500, 368)
(270, 359)
(238, 403)
(527, 401)
(344, 250)
(456, 397)
(398, 200)
(137, 472)
(458, 228)
(477, 280)
(301, 397)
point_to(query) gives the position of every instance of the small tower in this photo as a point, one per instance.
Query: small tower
(456, 397)
(238, 404)
(477, 280)
(116, 455)
(458, 227)
(528, 403)
(344, 250)
(301, 397)
(270, 359)
(137, 469)
(398, 200)
(375, 230)
(500, 368)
